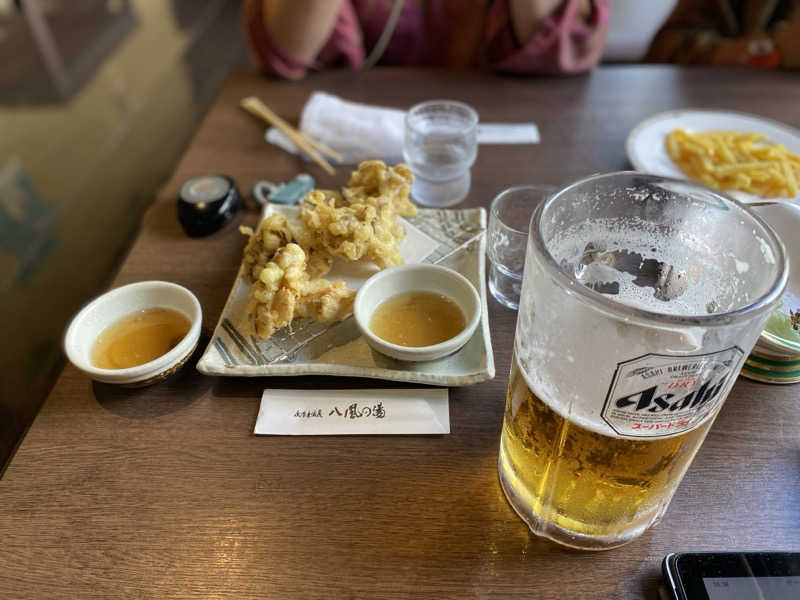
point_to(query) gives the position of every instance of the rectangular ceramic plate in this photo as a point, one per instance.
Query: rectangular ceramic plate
(452, 238)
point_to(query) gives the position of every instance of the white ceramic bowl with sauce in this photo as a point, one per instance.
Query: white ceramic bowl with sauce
(417, 278)
(112, 306)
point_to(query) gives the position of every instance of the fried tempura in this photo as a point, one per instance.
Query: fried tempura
(273, 233)
(319, 262)
(353, 232)
(285, 262)
(274, 294)
(378, 185)
(324, 300)
(285, 291)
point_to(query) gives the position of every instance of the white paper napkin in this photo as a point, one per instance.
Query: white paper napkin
(348, 412)
(362, 131)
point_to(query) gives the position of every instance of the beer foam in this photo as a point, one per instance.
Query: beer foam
(568, 353)
(702, 279)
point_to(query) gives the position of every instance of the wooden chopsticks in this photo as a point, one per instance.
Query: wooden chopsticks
(312, 147)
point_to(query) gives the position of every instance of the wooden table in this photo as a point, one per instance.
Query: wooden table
(166, 493)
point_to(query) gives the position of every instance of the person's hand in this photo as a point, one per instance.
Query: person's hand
(527, 15)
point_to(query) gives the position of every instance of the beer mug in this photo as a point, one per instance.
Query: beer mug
(641, 298)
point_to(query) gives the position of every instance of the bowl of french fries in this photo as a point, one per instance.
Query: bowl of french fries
(733, 160)
(751, 158)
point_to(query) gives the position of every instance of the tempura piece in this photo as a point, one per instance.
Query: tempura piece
(284, 291)
(273, 296)
(319, 262)
(285, 261)
(378, 185)
(273, 233)
(353, 232)
(324, 301)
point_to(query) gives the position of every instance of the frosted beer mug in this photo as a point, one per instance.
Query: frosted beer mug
(641, 298)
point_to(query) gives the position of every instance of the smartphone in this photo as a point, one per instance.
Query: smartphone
(732, 575)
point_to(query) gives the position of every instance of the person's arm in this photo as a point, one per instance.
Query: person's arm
(300, 28)
(289, 37)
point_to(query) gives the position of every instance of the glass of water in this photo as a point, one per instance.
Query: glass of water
(509, 217)
(440, 145)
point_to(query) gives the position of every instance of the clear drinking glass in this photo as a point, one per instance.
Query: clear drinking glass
(507, 239)
(440, 145)
(642, 297)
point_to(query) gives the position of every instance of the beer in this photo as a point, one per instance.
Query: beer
(640, 301)
(583, 481)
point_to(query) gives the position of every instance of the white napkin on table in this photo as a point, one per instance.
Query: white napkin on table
(362, 131)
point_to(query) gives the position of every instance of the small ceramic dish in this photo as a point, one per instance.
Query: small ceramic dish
(109, 308)
(771, 368)
(417, 278)
(785, 220)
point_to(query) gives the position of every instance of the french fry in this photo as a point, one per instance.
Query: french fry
(791, 180)
(724, 152)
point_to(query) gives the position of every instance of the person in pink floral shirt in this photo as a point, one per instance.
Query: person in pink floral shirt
(290, 37)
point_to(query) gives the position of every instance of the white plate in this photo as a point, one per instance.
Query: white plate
(452, 238)
(646, 151)
(785, 220)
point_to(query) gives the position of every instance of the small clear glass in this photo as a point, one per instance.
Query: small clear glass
(641, 300)
(440, 145)
(507, 239)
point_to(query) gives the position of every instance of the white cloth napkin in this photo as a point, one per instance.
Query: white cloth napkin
(362, 131)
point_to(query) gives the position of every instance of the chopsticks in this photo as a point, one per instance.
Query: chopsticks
(310, 146)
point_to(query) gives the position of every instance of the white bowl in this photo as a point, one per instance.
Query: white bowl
(417, 278)
(109, 308)
(785, 220)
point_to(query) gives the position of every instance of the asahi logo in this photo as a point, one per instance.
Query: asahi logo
(657, 395)
(648, 401)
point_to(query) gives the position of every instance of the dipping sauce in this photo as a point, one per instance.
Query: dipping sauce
(139, 338)
(417, 319)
